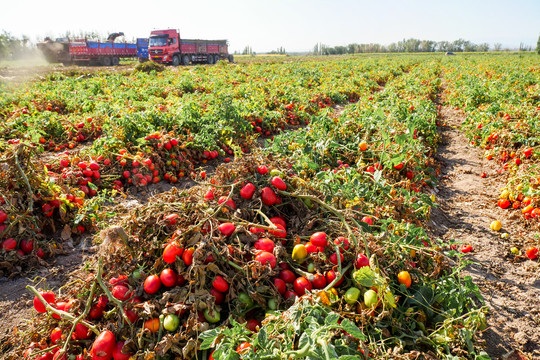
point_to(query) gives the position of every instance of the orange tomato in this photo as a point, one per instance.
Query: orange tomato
(152, 325)
(363, 146)
(405, 278)
(528, 209)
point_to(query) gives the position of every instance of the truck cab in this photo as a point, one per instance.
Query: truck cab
(167, 47)
(164, 47)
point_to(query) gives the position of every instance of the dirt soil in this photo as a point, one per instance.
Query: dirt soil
(510, 285)
(16, 301)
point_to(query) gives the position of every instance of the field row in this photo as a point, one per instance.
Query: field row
(332, 212)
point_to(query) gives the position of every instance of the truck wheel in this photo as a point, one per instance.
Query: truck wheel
(106, 61)
(211, 59)
(231, 58)
(115, 61)
(185, 60)
(176, 60)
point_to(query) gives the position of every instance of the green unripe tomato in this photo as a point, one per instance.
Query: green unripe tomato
(244, 300)
(370, 298)
(137, 274)
(171, 322)
(352, 295)
(272, 304)
(211, 315)
(275, 172)
(311, 267)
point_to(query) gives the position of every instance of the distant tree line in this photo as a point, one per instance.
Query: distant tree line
(410, 46)
(280, 51)
(13, 48)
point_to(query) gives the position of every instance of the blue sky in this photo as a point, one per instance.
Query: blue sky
(297, 25)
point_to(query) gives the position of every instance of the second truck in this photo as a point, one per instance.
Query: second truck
(167, 47)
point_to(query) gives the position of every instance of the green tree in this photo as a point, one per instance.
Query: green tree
(538, 45)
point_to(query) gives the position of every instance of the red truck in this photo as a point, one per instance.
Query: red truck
(85, 52)
(166, 46)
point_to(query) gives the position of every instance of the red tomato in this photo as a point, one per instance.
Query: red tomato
(311, 248)
(9, 244)
(368, 220)
(287, 276)
(152, 284)
(219, 297)
(209, 195)
(331, 275)
(280, 286)
(319, 281)
(171, 219)
(226, 228)
(48, 296)
(532, 252)
(409, 174)
(81, 332)
(503, 203)
(131, 315)
(265, 244)
(278, 221)
(168, 277)
(334, 258)
(262, 169)
(220, 284)
(466, 248)
(187, 256)
(103, 346)
(255, 230)
(253, 324)
(56, 335)
(361, 261)
(3, 216)
(302, 284)
(280, 232)
(343, 243)
(279, 183)
(266, 257)
(59, 355)
(318, 239)
(27, 246)
(118, 354)
(171, 251)
(289, 294)
(268, 196)
(180, 280)
(247, 191)
(398, 166)
(243, 347)
(230, 203)
(96, 312)
(121, 292)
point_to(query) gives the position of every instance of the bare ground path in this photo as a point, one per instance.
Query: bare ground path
(467, 207)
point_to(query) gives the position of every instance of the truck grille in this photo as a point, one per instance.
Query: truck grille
(157, 51)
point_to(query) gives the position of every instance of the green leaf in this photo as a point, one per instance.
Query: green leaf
(365, 277)
(353, 330)
(331, 319)
(208, 338)
(262, 337)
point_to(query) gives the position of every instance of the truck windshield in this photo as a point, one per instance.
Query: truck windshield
(158, 41)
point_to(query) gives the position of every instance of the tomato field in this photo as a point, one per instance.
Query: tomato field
(275, 209)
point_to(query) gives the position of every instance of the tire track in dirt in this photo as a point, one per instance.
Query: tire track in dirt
(510, 288)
